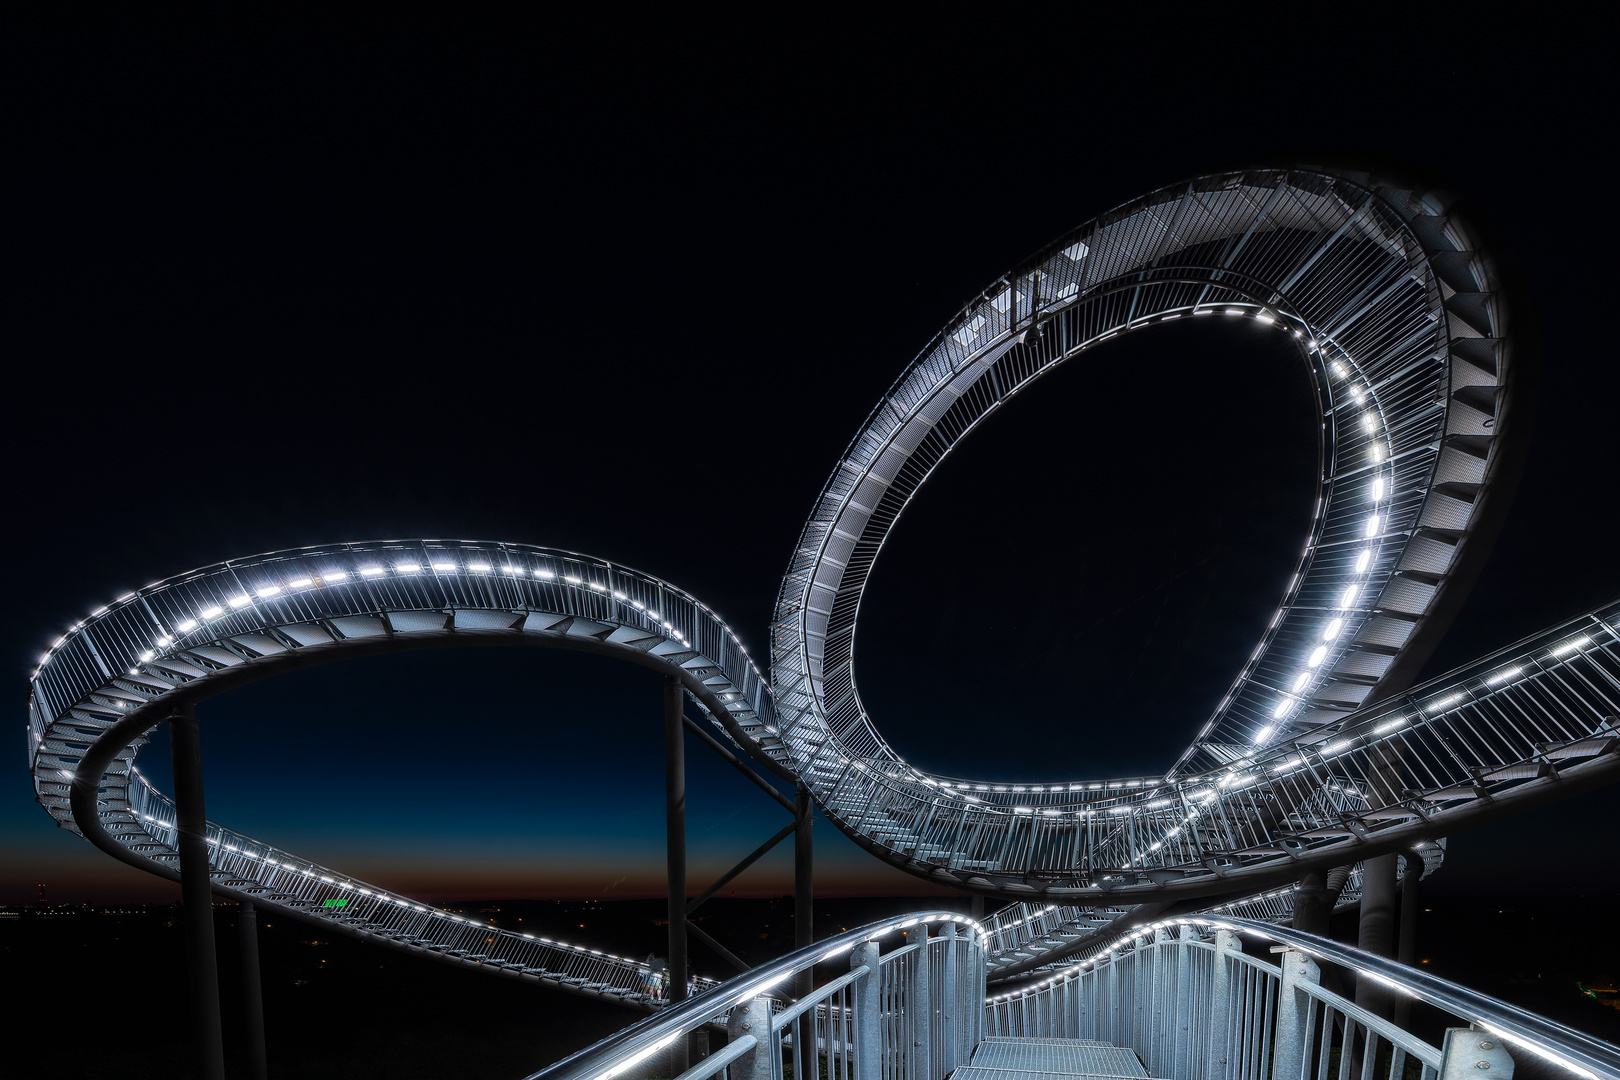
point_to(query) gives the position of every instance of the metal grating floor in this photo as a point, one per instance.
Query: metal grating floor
(968, 1072)
(1044, 1039)
(1063, 1057)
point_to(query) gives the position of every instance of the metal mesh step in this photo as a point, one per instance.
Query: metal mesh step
(1058, 1056)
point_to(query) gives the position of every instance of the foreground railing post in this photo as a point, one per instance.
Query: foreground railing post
(951, 1008)
(866, 1002)
(1220, 1005)
(1471, 1054)
(1113, 1035)
(1156, 1017)
(196, 891)
(1293, 1008)
(764, 1061)
(921, 1008)
(1186, 1000)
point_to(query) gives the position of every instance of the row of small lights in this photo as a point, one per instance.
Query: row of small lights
(1378, 452)
(313, 871)
(1236, 779)
(1379, 492)
(334, 576)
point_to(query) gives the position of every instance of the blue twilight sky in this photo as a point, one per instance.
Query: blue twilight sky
(634, 305)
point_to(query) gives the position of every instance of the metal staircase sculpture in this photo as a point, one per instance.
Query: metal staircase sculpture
(1319, 755)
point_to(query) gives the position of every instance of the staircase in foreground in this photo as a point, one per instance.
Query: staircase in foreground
(1188, 998)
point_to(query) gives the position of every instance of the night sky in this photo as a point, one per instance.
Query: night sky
(278, 286)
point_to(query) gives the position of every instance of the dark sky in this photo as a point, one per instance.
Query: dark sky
(277, 285)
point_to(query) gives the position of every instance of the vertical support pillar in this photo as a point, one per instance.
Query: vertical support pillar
(764, 1061)
(1377, 928)
(196, 892)
(1156, 1016)
(866, 1002)
(921, 1006)
(1114, 1033)
(675, 835)
(1311, 903)
(247, 933)
(1220, 1005)
(951, 1006)
(1293, 1007)
(1181, 1020)
(804, 929)
(1406, 944)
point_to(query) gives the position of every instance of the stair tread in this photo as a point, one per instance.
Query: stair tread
(1058, 1057)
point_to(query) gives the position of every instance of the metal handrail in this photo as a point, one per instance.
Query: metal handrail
(636, 1043)
(1152, 969)
(1548, 1039)
(1303, 250)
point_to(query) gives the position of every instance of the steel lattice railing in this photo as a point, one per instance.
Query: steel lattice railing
(108, 681)
(1397, 318)
(1500, 729)
(1186, 997)
(913, 1013)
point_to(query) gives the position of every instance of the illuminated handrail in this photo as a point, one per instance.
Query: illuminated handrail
(850, 1021)
(113, 676)
(1399, 323)
(275, 878)
(1194, 1006)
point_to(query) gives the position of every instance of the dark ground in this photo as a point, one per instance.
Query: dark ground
(343, 1009)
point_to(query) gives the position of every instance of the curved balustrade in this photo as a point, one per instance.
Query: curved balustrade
(111, 678)
(250, 869)
(1531, 722)
(913, 1013)
(1193, 1005)
(1315, 757)
(1397, 320)
(1037, 937)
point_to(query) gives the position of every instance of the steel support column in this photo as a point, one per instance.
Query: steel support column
(675, 833)
(1377, 928)
(196, 892)
(1312, 905)
(803, 883)
(1406, 944)
(247, 933)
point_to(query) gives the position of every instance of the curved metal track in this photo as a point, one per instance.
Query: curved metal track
(1314, 758)
(106, 683)
(1395, 314)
